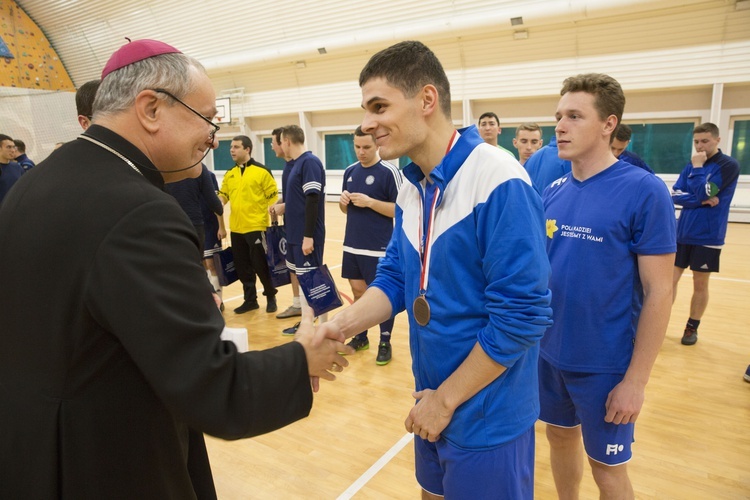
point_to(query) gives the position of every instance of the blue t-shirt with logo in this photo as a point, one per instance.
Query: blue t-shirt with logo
(595, 231)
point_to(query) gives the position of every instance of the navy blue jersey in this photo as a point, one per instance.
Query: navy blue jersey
(194, 192)
(285, 176)
(307, 176)
(9, 174)
(367, 231)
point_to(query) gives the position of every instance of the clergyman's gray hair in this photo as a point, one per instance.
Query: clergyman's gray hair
(170, 72)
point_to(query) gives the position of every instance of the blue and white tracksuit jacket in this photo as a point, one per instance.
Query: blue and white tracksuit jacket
(488, 280)
(702, 224)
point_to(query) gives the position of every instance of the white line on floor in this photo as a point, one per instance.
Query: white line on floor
(719, 278)
(370, 473)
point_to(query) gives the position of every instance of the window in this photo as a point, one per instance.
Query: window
(665, 147)
(741, 145)
(402, 162)
(339, 151)
(271, 160)
(222, 158)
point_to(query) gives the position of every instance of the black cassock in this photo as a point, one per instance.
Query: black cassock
(109, 338)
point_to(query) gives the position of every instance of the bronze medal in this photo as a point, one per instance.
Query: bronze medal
(421, 310)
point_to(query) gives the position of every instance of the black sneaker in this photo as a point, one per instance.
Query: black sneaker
(271, 305)
(247, 306)
(384, 354)
(291, 330)
(747, 374)
(359, 344)
(690, 336)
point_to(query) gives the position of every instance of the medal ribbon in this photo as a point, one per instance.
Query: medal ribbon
(426, 247)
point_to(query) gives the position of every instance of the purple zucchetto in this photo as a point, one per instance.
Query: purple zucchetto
(136, 51)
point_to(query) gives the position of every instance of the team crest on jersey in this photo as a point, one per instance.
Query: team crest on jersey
(369, 180)
(551, 227)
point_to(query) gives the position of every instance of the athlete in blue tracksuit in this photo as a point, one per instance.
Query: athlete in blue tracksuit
(495, 293)
(704, 190)
(701, 224)
(467, 262)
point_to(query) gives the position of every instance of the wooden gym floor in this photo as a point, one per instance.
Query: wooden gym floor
(692, 438)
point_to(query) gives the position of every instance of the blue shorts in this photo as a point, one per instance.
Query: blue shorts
(359, 267)
(299, 263)
(569, 399)
(503, 472)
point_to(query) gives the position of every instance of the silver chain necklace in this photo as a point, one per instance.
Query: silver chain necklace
(114, 152)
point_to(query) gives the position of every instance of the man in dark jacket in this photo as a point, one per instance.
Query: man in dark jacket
(22, 159)
(119, 353)
(10, 170)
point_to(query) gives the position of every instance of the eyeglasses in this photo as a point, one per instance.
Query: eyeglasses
(216, 128)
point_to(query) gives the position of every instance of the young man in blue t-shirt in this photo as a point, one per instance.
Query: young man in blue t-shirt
(704, 190)
(368, 198)
(611, 244)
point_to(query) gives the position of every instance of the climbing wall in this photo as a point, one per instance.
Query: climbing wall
(27, 60)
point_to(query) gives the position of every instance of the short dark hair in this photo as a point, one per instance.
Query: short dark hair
(4, 137)
(246, 142)
(294, 133)
(409, 66)
(609, 98)
(85, 98)
(489, 114)
(359, 133)
(531, 127)
(623, 133)
(276, 133)
(20, 145)
(707, 127)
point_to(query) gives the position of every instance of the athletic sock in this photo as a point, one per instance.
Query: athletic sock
(214, 280)
(385, 337)
(693, 323)
(296, 302)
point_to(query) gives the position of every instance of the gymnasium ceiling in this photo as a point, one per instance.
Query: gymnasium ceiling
(237, 36)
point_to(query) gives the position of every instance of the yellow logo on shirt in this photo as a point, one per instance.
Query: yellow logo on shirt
(551, 227)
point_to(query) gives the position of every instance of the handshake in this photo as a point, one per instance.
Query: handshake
(324, 348)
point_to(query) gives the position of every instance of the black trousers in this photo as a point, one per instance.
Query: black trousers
(250, 260)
